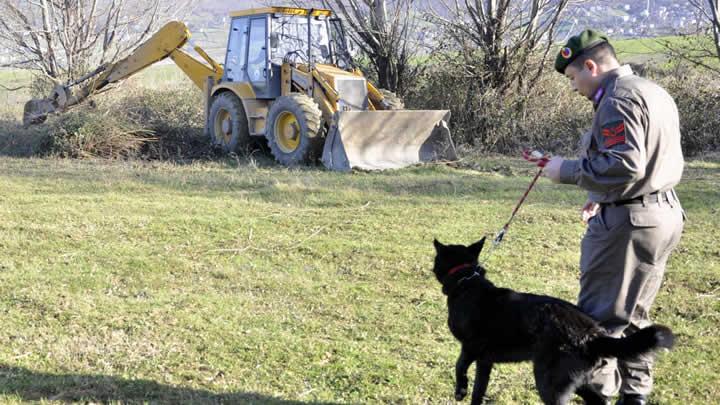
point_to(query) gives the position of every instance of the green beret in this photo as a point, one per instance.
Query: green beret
(575, 46)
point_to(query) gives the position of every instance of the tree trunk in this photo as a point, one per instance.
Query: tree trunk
(387, 74)
(714, 8)
(49, 39)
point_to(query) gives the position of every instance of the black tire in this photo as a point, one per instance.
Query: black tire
(228, 123)
(293, 130)
(392, 100)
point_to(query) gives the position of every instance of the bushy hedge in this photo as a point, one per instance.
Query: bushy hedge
(175, 117)
(132, 122)
(552, 117)
(87, 132)
(137, 122)
(698, 99)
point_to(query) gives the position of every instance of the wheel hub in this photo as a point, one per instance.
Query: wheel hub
(223, 126)
(287, 132)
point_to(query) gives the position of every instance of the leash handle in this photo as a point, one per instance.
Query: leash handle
(537, 156)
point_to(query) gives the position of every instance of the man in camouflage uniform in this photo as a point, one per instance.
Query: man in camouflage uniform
(631, 160)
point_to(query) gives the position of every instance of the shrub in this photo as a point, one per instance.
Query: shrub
(698, 100)
(20, 142)
(175, 117)
(549, 118)
(552, 117)
(88, 132)
(132, 122)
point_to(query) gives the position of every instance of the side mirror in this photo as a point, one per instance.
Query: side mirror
(324, 51)
(274, 40)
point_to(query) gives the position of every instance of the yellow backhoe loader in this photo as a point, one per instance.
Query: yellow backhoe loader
(287, 77)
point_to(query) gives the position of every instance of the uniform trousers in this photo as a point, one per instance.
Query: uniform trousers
(623, 257)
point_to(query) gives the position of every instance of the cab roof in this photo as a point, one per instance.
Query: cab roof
(316, 12)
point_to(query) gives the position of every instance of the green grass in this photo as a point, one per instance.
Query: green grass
(640, 45)
(656, 51)
(644, 50)
(11, 102)
(243, 282)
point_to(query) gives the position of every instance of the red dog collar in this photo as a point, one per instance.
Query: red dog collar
(458, 268)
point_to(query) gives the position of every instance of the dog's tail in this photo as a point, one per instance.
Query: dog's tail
(645, 340)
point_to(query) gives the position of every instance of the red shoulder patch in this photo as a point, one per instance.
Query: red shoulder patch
(613, 133)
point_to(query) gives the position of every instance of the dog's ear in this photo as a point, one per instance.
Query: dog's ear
(477, 247)
(438, 246)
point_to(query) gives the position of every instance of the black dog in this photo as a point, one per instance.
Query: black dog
(499, 325)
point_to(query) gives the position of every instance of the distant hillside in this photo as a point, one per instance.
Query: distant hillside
(618, 18)
(625, 18)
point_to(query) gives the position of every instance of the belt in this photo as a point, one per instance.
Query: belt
(654, 197)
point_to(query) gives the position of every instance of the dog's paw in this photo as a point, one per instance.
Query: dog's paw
(460, 394)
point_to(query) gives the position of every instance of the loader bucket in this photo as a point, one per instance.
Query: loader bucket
(36, 111)
(378, 140)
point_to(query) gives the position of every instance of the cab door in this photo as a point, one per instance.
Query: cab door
(236, 57)
(257, 57)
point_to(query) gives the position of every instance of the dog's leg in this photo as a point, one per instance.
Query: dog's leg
(482, 377)
(553, 381)
(555, 392)
(461, 367)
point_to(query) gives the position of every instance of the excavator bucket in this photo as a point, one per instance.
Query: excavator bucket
(378, 140)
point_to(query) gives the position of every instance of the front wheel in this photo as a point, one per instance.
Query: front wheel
(293, 130)
(228, 123)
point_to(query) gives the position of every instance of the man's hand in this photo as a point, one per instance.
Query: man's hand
(552, 169)
(589, 210)
(537, 157)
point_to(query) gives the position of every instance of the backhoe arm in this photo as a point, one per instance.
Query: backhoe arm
(163, 44)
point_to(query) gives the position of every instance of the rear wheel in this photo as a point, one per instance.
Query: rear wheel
(228, 123)
(293, 130)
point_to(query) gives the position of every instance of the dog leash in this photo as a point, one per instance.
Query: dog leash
(536, 157)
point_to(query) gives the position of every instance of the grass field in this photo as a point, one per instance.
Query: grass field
(656, 51)
(643, 46)
(242, 282)
(11, 102)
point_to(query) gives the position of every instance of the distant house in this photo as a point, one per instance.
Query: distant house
(5, 56)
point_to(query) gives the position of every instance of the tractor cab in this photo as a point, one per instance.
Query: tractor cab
(261, 40)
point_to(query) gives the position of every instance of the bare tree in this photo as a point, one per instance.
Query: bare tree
(701, 47)
(63, 39)
(496, 40)
(712, 14)
(386, 33)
